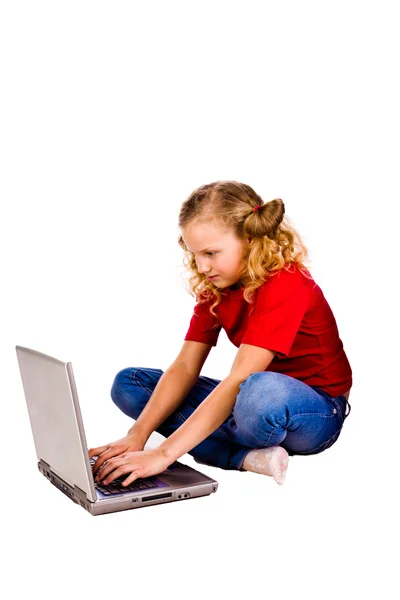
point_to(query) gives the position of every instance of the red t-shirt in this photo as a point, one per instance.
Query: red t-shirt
(289, 316)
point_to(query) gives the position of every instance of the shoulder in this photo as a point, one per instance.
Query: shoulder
(286, 287)
(290, 276)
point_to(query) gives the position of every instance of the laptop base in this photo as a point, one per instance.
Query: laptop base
(141, 498)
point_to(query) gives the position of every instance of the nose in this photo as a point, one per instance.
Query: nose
(202, 269)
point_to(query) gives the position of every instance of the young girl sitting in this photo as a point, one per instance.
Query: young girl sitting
(288, 389)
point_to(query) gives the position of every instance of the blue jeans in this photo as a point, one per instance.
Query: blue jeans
(270, 409)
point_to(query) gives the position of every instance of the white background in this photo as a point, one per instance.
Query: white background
(111, 114)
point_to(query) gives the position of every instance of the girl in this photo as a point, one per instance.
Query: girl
(288, 389)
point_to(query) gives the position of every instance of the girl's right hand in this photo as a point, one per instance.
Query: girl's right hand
(130, 443)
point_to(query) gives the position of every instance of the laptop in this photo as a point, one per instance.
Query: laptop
(63, 456)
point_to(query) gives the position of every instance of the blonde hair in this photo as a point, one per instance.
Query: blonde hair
(273, 243)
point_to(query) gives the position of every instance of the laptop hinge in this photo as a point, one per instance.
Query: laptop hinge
(81, 495)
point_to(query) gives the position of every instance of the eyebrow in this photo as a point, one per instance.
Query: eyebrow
(204, 249)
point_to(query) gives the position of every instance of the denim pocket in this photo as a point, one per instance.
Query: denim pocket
(339, 404)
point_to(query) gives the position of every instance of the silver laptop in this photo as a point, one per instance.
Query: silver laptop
(63, 455)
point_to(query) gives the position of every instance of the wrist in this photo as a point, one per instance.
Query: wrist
(138, 433)
(167, 452)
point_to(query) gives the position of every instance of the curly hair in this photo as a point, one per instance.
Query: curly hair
(272, 244)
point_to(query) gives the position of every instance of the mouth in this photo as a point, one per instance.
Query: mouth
(213, 277)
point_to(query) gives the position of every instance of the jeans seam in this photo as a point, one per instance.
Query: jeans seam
(181, 416)
(314, 414)
(204, 387)
(134, 371)
(142, 387)
(270, 436)
(137, 381)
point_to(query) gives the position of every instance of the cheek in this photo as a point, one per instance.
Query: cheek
(220, 264)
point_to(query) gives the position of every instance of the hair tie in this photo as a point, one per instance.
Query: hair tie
(255, 209)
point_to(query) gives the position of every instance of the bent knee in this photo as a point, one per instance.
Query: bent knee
(132, 388)
(122, 379)
(264, 384)
(123, 392)
(261, 394)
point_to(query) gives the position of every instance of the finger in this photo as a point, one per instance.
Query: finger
(115, 451)
(134, 475)
(108, 466)
(121, 470)
(97, 451)
(105, 456)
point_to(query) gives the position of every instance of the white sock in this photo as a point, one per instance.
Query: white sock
(272, 461)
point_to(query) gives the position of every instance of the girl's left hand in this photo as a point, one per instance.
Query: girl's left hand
(138, 464)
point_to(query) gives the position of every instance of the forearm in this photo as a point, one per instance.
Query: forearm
(204, 420)
(171, 389)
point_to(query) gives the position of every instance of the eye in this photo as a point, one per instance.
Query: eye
(207, 253)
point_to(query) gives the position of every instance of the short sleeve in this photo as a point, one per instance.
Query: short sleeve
(204, 327)
(279, 309)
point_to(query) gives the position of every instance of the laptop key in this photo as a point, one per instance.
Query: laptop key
(115, 487)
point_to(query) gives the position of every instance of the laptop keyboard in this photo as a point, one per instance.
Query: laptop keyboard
(116, 487)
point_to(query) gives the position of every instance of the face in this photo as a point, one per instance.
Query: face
(217, 252)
